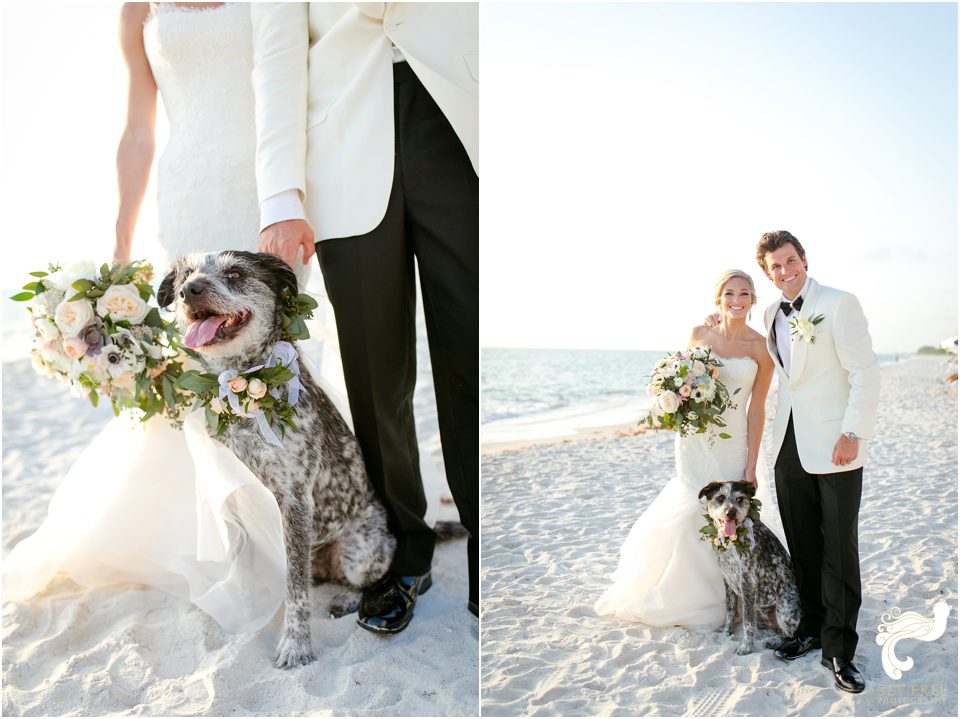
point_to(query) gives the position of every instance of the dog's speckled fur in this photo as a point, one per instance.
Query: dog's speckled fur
(763, 579)
(333, 523)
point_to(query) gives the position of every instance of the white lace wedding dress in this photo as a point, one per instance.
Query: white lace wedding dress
(147, 503)
(666, 575)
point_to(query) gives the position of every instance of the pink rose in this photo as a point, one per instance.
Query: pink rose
(237, 384)
(685, 391)
(74, 347)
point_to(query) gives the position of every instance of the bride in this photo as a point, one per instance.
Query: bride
(666, 575)
(149, 504)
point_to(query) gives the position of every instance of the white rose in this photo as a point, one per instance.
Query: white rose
(63, 278)
(256, 388)
(677, 381)
(47, 330)
(71, 317)
(699, 368)
(668, 402)
(122, 302)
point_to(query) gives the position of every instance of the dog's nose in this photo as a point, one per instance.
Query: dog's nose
(192, 290)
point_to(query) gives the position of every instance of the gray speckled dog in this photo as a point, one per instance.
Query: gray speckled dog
(227, 305)
(763, 578)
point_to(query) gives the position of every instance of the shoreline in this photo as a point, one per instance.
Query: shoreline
(605, 431)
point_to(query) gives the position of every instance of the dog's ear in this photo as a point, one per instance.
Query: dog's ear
(745, 487)
(165, 294)
(709, 490)
(276, 273)
(282, 278)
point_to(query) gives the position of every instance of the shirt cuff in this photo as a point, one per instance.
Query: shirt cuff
(284, 205)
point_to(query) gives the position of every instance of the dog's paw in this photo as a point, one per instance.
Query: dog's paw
(345, 603)
(292, 653)
(745, 648)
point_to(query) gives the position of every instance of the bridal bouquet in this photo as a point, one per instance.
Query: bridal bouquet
(96, 331)
(687, 396)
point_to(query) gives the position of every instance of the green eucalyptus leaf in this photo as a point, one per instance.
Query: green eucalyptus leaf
(22, 296)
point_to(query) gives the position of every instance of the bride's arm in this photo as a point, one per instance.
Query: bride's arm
(135, 153)
(756, 412)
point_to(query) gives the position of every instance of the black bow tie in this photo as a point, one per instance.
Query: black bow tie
(788, 307)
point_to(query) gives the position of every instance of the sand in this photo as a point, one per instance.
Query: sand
(137, 650)
(554, 516)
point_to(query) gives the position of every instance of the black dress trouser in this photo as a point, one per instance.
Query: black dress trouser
(819, 513)
(433, 216)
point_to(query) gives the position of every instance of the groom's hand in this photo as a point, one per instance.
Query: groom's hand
(283, 239)
(844, 451)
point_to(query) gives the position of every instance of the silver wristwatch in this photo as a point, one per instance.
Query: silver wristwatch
(852, 437)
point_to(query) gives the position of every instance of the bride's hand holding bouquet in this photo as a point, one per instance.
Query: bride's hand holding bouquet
(97, 331)
(688, 398)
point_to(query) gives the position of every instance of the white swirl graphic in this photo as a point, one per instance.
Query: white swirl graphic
(895, 626)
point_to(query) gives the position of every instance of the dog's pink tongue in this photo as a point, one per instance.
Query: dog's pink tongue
(729, 529)
(202, 331)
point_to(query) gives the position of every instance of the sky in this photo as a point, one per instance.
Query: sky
(633, 152)
(63, 100)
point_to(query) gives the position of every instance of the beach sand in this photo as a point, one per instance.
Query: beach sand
(137, 650)
(555, 514)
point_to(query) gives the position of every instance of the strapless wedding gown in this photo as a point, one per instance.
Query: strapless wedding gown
(146, 503)
(666, 575)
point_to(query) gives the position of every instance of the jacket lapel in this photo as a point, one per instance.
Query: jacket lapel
(769, 317)
(798, 348)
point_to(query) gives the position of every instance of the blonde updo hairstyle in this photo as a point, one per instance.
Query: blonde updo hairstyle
(733, 274)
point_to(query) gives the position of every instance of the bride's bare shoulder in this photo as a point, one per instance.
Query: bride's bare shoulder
(758, 347)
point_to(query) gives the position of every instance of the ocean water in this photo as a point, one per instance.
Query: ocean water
(531, 394)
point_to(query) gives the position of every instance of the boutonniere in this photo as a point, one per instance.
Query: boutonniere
(805, 330)
(743, 541)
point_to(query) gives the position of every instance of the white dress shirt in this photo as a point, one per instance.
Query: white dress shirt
(781, 323)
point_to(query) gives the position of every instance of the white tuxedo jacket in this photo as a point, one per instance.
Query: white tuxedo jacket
(834, 382)
(323, 83)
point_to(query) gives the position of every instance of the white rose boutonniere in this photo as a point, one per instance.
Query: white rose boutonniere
(805, 330)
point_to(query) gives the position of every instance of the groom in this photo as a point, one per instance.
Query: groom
(829, 384)
(367, 141)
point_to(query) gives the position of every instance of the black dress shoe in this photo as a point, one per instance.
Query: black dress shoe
(845, 675)
(796, 646)
(473, 608)
(387, 606)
